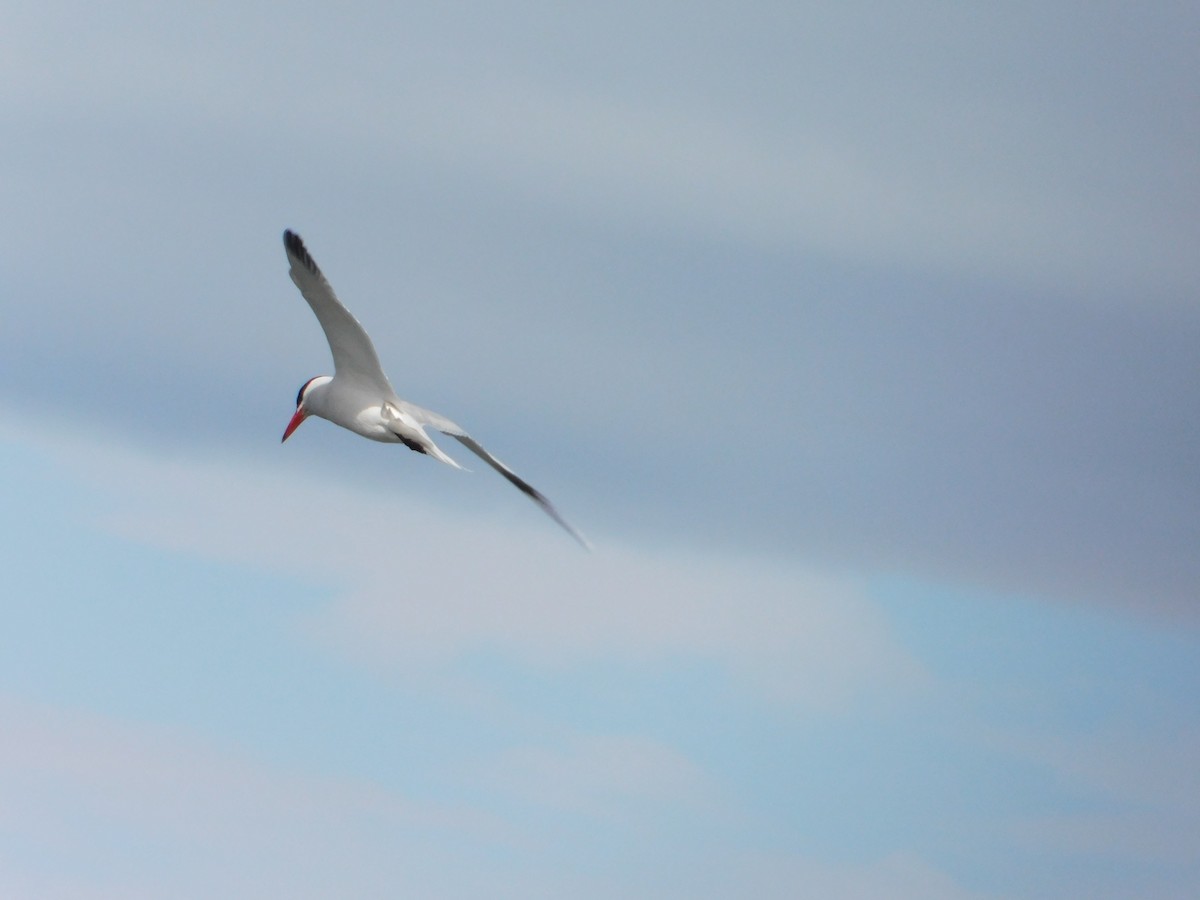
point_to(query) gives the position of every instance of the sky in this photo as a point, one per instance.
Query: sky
(860, 340)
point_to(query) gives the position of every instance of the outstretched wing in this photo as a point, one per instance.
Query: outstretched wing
(354, 356)
(445, 426)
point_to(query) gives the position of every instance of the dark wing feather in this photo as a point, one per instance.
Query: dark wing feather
(354, 356)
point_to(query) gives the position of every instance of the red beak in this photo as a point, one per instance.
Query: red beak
(299, 417)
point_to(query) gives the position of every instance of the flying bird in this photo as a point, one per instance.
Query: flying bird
(358, 395)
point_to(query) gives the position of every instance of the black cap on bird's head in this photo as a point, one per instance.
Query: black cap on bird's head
(301, 413)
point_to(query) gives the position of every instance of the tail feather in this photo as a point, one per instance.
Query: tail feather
(436, 452)
(410, 433)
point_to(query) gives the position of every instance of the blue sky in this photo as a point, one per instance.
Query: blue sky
(860, 341)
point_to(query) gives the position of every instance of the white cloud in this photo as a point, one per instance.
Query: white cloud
(608, 777)
(1147, 788)
(418, 588)
(105, 808)
(932, 177)
(1129, 766)
(975, 204)
(102, 809)
(897, 876)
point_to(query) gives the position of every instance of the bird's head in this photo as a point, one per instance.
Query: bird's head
(302, 409)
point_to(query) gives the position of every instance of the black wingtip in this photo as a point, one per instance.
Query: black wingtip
(295, 246)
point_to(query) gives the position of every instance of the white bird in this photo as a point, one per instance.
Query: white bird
(358, 396)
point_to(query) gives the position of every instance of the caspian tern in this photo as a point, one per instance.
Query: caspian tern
(358, 396)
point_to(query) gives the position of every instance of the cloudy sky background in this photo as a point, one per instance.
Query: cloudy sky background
(862, 341)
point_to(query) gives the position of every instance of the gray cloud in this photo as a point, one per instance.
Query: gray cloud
(900, 292)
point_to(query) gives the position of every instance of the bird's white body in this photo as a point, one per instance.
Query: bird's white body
(359, 397)
(359, 409)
